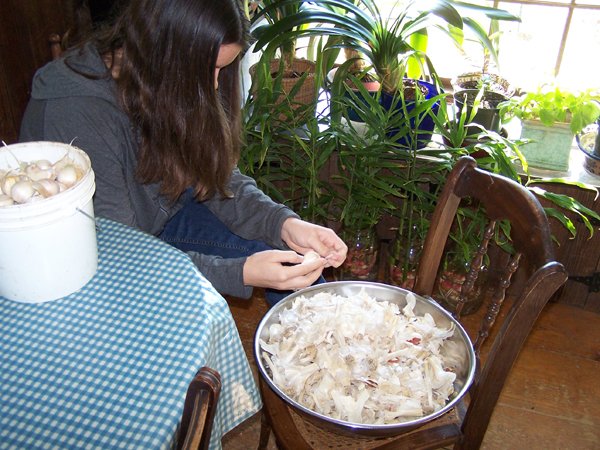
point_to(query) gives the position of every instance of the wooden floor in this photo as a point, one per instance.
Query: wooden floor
(551, 400)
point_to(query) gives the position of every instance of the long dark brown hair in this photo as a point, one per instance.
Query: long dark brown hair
(190, 132)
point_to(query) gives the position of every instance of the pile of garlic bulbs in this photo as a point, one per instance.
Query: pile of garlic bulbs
(37, 180)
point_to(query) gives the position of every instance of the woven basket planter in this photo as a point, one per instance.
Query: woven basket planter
(306, 94)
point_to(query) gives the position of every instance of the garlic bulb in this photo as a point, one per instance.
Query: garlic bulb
(36, 180)
(44, 164)
(47, 187)
(67, 175)
(36, 172)
(22, 191)
(64, 161)
(8, 182)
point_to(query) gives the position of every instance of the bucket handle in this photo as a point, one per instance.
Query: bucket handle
(89, 217)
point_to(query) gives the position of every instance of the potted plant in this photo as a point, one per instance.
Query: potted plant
(279, 68)
(483, 92)
(550, 118)
(495, 153)
(387, 44)
(365, 190)
(289, 162)
(372, 176)
(505, 157)
(456, 265)
(485, 105)
(483, 80)
(453, 126)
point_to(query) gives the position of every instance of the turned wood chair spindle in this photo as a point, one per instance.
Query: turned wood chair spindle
(475, 268)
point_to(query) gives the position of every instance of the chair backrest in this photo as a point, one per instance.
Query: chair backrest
(502, 200)
(199, 410)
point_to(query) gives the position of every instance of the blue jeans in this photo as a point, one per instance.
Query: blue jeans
(196, 229)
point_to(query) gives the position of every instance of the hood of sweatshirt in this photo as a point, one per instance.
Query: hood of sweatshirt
(81, 72)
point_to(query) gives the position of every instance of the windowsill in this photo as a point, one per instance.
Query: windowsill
(576, 170)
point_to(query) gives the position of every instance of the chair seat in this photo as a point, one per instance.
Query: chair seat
(303, 433)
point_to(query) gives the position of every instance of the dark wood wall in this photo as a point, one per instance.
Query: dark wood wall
(26, 26)
(580, 255)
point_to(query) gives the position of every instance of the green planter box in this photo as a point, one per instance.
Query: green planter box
(550, 147)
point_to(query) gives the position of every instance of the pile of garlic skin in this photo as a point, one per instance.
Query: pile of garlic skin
(36, 180)
(360, 360)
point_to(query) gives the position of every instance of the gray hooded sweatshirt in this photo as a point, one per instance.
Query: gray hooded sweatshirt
(68, 107)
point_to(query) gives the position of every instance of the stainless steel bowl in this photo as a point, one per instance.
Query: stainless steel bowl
(459, 345)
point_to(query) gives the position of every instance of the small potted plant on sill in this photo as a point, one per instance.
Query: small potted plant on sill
(484, 103)
(482, 92)
(489, 81)
(550, 118)
(462, 135)
(488, 78)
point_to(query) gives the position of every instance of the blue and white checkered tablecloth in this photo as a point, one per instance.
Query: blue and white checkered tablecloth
(109, 366)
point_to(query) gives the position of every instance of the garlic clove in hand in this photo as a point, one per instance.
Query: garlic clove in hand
(310, 257)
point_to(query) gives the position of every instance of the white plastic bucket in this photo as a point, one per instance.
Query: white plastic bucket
(48, 248)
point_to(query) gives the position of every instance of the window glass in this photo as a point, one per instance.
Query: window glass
(529, 49)
(580, 65)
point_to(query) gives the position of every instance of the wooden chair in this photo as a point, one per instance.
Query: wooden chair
(199, 410)
(465, 425)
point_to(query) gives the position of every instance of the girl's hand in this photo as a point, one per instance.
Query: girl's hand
(282, 270)
(304, 236)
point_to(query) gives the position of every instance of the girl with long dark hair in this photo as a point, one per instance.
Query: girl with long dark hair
(154, 99)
